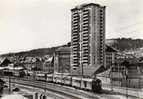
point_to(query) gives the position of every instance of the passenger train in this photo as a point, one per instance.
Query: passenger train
(94, 85)
(90, 84)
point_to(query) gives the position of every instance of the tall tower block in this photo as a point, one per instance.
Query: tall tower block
(87, 39)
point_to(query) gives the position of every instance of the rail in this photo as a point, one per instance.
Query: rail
(71, 93)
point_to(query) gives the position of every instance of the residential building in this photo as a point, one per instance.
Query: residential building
(110, 56)
(62, 60)
(87, 39)
(127, 74)
(4, 62)
(48, 65)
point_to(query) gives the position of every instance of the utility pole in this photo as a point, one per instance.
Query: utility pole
(45, 81)
(9, 83)
(81, 73)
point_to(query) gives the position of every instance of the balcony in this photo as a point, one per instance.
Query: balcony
(85, 48)
(86, 19)
(75, 30)
(75, 53)
(75, 18)
(85, 38)
(75, 59)
(85, 32)
(75, 64)
(85, 22)
(85, 29)
(75, 27)
(85, 45)
(75, 43)
(85, 35)
(75, 22)
(85, 51)
(86, 16)
(75, 40)
(85, 12)
(74, 56)
(75, 34)
(84, 42)
(75, 14)
(85, 25)
(85, 59)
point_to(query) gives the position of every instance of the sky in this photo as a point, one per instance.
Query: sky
(30, 24)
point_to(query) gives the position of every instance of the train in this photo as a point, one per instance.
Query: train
(16, 73)
(79, 82)
(89, 84)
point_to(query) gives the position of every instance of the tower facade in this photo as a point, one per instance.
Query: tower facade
(87, 38)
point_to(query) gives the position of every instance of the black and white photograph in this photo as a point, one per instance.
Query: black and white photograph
(71, 49)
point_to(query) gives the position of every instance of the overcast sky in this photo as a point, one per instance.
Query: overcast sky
(30, 24)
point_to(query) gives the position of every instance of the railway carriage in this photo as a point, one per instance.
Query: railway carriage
(67, 80)
(76, 82)
(86, 83)
(94, 85)
(40, 77)
(57, 79)
(49, 78)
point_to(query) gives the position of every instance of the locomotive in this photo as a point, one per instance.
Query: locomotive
(90, 84)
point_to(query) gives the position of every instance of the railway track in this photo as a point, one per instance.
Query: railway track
(68, 93)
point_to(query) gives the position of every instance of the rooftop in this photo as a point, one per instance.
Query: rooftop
(63, 49)
(110, 49)
(85, 5)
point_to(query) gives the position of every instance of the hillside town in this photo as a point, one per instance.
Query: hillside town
(88, 63)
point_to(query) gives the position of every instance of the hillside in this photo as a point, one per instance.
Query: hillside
(125, 43)
(35, 52)
(119, 43)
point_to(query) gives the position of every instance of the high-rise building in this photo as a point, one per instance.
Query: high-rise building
(87, 38)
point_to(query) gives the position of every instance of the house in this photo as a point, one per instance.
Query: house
(110, 56)
(4, 62)
(48, 65)
(1, 85)
(127, 74)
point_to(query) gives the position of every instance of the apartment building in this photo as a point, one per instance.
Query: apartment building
(87, 39)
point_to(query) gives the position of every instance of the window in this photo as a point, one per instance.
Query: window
(85, 84)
